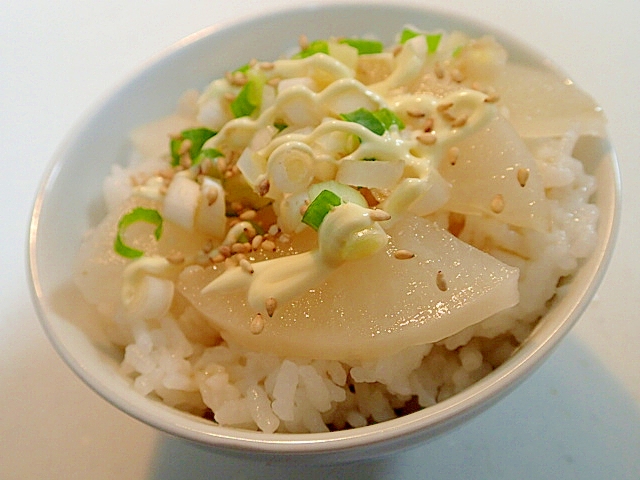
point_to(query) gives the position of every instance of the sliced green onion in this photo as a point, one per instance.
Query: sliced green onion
(197, 137)
(319, 207)
(407, 34)
(280, 126)
(317, 46)
(210, 153)
(377, 121)
(433, 40)
(363, 46)
(243, 69)
(365, 118)
(388, 118)
(139, 214)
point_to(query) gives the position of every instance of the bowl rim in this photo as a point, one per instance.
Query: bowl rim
(452, 411)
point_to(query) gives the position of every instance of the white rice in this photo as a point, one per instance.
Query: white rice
(263, 392)
(181, 361)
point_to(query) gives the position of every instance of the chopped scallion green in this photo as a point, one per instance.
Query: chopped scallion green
(364, 46)
(433, 40)
(197, 137)
(319, 207)
(249, 97)
(377, 121)
(280, 126)
(139, 214)
(210, 153)
(317, 46)
(365, 118)
(388, 118)
(407, 34)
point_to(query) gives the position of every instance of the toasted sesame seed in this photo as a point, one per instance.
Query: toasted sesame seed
(203, 259)
(167, 173)
(270, 304)
(236, 206)
(273, 82)
(185, 146)
(523, 176)
(248, 215)
(218, 258)
(457, 75)
(443, 107)
(263, 187)
(205, 166)
(211, 196)
(208, 246)
(441, 282)
(257, 324)
(284, 238)
(415, 113)
(230, 97)
(427, 138)
(303, 42)
(267, 65)
(256, 242)
(273, 230)
(231, 262)
(438, 70)
(185, 161)
(460, 121)
(492, 98)
(225, 250)
(404, 254)
(428, 125)
(497, 203)
(452, 155)
(268, 246)
(378, 215)
(175, 258)
(237, 248)
(246, 265)
(221, 163)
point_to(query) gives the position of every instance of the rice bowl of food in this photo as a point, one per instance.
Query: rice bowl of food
(334, 244)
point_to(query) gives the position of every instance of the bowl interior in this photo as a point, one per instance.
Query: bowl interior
(68, 204)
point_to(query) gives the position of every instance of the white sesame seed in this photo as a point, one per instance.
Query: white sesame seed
(441, 282)
(415, 113)
(523, 176)
(257, 324)
(268, 246)
(248, 215)
(497, 203)
(460, 121)
(303, 42)
(256, 242)
(246, 265)
(175, 258)
(452, 155)
(404, 254)
(457, 75)
(427, 138)
(378, 215)
(270, 304)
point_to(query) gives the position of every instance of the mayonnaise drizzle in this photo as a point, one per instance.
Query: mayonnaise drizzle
(347, 233)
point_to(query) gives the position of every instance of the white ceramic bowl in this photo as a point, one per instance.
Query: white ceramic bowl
(68, 203)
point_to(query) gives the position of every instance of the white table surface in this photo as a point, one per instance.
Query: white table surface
(578, 416)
